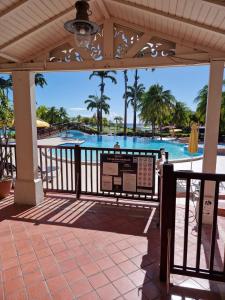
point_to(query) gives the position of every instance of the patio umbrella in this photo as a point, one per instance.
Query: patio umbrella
(193, 140)
(42, 124)
(39, 123)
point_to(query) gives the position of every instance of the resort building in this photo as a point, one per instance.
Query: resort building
(93, 223)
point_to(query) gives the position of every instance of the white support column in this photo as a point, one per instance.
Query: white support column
(28, 188)
(212, 133)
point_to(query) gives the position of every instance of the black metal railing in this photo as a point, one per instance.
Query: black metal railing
(189, 226)
(75, 169)
(9, 153)
(57, 168)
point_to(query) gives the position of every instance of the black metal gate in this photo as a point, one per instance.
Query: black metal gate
(189, 246)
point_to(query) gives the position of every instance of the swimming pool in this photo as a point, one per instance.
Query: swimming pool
(176, 150)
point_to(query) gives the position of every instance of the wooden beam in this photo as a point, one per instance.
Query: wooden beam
(12, 8)
(104, 10)
(168, 16)
(108, 42)
(215, 2)
(145, 38)
(36, 28)
(166, 36)
(109, 64)
(9, 57)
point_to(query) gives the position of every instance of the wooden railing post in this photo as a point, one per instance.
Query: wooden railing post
(166, 206)
(78, 170)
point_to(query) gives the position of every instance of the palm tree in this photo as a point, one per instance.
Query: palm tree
(201, 101)
(134, 95)
(63, 116)
(53, 115)
(181, 115)
(118, 120)
(103, 75)
(40, 80)
(42, 112)
(100, 104)
(156, 106)
(125, 102)
(7, 84)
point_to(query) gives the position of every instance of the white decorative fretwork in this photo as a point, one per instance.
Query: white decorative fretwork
(157, 47)
(96, 49)
(65, 53)
(124, 38)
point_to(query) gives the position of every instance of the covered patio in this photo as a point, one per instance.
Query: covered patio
(88, 249)
(64, 248)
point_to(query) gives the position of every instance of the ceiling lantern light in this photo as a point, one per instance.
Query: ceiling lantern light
(84, 30)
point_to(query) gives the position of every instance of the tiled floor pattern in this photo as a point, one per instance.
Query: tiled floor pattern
(66, 249)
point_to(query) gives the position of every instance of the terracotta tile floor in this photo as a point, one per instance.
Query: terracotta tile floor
(68, 249)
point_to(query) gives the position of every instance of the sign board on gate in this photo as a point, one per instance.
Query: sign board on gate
(127, 173)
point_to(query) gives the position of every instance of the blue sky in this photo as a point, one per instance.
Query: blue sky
(70, 89)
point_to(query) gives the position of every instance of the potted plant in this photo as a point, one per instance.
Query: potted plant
(5, 179)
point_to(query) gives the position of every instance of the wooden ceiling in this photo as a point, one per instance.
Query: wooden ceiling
(33, 27)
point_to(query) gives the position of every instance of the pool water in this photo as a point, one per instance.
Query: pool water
(176, 150)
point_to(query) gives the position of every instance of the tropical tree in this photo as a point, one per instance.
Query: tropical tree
(63, 116)
(40, 80)
(53, 115)
(78, 118)
(6, 112)
(7, 84)
(156, 106)
(103, 75)
(201, 101)
(42, 112)
(134, 95)
(105, 122)
(100, 104)
(125, 102)
(118, 120)
(181, 115)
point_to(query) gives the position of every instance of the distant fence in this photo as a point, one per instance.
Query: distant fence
(57, 128)
(76, 169)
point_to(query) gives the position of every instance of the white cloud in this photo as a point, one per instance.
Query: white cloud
(77, 108)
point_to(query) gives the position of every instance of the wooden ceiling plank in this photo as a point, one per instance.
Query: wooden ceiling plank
(168, 16)
(12, 8)
(215, 2)
(104, 10)
(9, 57)
(36, 28)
